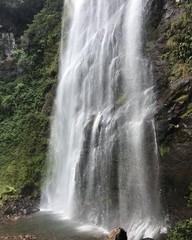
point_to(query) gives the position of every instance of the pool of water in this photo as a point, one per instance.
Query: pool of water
(51, 227)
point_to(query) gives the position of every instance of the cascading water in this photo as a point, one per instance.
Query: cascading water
(103, 151)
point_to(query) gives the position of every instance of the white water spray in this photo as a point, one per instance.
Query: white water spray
(103, 151)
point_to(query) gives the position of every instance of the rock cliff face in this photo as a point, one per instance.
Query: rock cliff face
(172, 64)
(15, 15)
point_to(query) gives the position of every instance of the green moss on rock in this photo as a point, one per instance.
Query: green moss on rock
(178, 55)
(164, 150)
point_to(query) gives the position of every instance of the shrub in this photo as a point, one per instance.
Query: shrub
(182, 231)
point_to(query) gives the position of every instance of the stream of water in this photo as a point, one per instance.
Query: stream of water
(103, 163)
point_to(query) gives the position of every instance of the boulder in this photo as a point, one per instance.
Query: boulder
(117, 234)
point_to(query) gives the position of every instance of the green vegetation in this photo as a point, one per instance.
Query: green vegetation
(121, 100)
(181, 70)
(182, 231)
(164, 149)
(182, 98)
(24, 121)
(187, 113)
(6, 192)
(189, 197)
(179, 43)
(178, 58)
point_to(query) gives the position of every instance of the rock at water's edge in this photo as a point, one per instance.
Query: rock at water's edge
(117, 234)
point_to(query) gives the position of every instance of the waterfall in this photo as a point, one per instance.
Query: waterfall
(103, 166)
